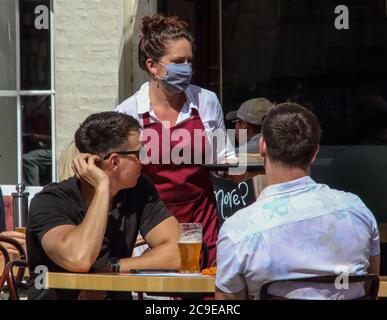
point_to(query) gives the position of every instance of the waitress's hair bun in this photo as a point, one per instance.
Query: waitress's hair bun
(158, 23)
(157, 31)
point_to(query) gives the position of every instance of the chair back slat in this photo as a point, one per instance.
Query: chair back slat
(371, 285)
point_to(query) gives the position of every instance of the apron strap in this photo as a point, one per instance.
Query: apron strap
(146, 119)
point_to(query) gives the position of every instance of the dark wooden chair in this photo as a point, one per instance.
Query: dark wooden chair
(371, 285)
(5, 256)
(14, 283)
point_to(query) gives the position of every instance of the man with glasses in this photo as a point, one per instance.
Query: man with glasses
(90, 222)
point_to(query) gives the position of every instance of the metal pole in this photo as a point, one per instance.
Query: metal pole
(20, 206)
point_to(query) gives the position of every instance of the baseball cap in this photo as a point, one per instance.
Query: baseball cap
(252, 111)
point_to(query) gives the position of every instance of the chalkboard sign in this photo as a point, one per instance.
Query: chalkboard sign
(231, 196)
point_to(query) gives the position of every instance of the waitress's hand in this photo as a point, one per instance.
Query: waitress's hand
(217, 174)
(238, 178)
(84, 166)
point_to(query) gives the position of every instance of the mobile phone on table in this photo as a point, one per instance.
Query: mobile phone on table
(153, 271)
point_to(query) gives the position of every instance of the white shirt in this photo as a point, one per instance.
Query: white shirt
(252, 146)
(205, 101)
(294, 230)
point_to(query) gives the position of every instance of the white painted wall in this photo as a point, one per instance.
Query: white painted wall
(95, 58)
(87, 38)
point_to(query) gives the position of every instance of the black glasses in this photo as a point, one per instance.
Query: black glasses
(124, 153)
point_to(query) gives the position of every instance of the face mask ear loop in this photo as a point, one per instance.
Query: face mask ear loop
(159, 78)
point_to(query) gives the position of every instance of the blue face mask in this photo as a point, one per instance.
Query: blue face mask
(178, 76)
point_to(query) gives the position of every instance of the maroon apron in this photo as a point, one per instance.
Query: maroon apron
(186, 189)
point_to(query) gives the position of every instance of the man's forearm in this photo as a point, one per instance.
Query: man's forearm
(220, 295)
(165, 256)
(374, 266)
(85, 240)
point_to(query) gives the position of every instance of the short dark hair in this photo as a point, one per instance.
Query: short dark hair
(104, 131)
(292, 134)
(157, 31)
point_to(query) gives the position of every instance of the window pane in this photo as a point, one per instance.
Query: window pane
(35, 45)
(36, 140)
(8, 141)
(291, 50)
(7, 45)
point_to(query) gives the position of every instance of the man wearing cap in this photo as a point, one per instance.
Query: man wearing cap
(249, 117)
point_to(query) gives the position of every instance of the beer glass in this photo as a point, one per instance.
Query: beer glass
(190, 245)
(21, 229)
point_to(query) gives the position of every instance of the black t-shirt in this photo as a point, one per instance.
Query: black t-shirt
(136, 209)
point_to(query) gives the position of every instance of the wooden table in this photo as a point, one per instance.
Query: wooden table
(142, 283)
(131, 282)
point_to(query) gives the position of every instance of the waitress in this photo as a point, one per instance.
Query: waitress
(171, 107)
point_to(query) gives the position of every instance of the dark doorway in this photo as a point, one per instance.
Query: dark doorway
(202, 17)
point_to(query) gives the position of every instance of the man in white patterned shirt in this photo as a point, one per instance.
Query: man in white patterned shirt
(297, 228)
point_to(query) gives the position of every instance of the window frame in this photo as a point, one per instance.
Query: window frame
(18, 94)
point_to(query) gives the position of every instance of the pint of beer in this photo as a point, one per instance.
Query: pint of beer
(190, 245)
(21, 229)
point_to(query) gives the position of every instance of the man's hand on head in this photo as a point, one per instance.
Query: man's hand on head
(85, 167)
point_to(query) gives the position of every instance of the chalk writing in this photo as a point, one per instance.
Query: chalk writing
(232, 199)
